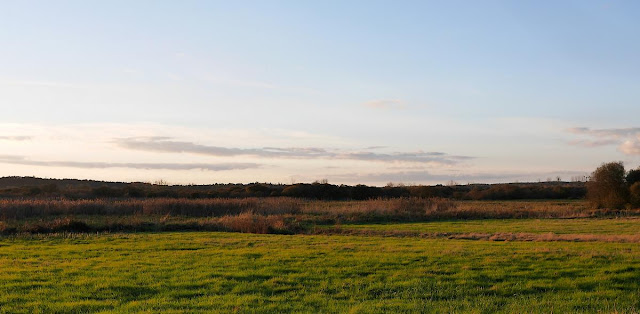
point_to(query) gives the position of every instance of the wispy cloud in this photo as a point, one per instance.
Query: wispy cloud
(593, 143)
(631, 146)
(15, 138)
(22, 160)
(605, 133)
(166, 145)
(627, 139)
(385, 104)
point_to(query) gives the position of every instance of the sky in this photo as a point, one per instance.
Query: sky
(354, 92)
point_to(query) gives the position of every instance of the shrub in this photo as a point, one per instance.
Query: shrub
(57, 225)
(607, 186)
(633, 176)
(635, 195)
(105, 191)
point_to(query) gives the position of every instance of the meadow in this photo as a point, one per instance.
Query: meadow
(291, 255)
(600, 226)
(233, 272)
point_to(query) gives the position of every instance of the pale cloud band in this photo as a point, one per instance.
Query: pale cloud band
(21, 160)
(168, 145)
(627, 139)
(593, 143)
(606, 133)
(113, 151)
(15, 138)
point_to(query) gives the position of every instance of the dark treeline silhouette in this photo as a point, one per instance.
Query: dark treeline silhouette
(16, 187)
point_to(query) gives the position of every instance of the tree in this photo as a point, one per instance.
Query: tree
(633, 176)
(607, 186)
(635, 195)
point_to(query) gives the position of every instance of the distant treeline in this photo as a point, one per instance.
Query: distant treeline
(11, 187)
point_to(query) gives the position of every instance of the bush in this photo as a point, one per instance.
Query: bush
(633, 176)
(105, 191)
(635, 195)
(607, 186)
(57, 225)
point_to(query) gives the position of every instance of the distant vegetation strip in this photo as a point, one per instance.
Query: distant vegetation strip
(263, 215)
(14, 187)
(609, 186)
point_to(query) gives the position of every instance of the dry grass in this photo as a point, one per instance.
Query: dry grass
(529, 209)
(26, 208)
(261, 215)
(252, 223)
(437, 208)
(245, 223)
(400, 208)
(382, 209)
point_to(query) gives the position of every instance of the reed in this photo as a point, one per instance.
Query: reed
(263, 215)
(26, 208)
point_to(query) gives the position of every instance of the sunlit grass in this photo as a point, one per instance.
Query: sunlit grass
(613, 226)
(203, 272)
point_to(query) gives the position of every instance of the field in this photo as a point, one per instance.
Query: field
(202, 271)
(443, 265)
(594, 226)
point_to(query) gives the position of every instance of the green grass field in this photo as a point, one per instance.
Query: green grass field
(606, 226)
(234, 272)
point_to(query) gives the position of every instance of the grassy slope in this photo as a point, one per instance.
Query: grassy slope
(202, 271)
(559, 226)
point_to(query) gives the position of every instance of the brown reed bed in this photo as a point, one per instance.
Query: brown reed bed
(416, 209)
(244, 223)
(262, 215)
(27, 208)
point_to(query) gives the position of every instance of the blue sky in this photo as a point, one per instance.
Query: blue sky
(295, 91)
